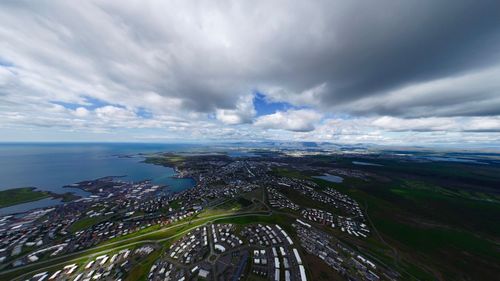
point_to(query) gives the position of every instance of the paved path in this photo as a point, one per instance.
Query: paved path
(66, 259)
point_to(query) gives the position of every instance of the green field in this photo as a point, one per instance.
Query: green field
(140, 271)
(168, 159)
(86, 222)
(275, 219)
(175, 205)
(439, 220)
(163, 235)
(429, 221)
(289, 173)
(16, 196)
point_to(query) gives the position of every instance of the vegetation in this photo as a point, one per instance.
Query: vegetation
(67, 197)
(86, 222)
(16, 196)
(429, 221)
(289, 173)
(176, 204)
(436, 220)
(140, 270)
(167, 159)
(244, 202)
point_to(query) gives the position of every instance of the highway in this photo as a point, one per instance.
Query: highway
(31, 269)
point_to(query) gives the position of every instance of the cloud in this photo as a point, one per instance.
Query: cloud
(469, 94)
(301, 120)
(312, 96)
(429, 124)
(243, 113)
(197, 64)
(81, 112)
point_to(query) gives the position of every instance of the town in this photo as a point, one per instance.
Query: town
(200, 233)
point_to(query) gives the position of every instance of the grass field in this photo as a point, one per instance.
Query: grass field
(16, 196)
(176, 204)
(284, 172)
(441, 217)
(140, 271)
(440, 221)
(275, 219)
(169, 160)
(429, 221)
(86, 222)
(164, 235)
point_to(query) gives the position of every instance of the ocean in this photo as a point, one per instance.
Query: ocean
(50, 166)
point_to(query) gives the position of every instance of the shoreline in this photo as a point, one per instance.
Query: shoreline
(29, 191)
(34, 194)
(69, 196)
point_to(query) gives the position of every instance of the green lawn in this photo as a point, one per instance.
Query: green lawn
(274, 219)
(86, 222)
(439, 227)
(284, 172)
(175, 205)
(16, 196)
(431, 240)
(169, 160)
(140, 271)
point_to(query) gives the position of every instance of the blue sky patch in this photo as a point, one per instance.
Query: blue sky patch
(264, 107)
(5, 63)
(144, 113)
(90, 104)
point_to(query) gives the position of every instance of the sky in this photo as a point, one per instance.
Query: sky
(384, 72)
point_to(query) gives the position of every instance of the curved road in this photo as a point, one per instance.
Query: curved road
(81, 254)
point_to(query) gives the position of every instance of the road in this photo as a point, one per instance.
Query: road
(77, 256)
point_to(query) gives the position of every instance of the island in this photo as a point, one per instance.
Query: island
(14, 196)
(268, 217)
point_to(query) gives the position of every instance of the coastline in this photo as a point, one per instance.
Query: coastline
(31, 194)
(69, 196)
(23, 194)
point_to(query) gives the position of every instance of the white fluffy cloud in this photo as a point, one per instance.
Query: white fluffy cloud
(243, 113)
(189, 70)
(453, 124)
(293, 120)
(81, 112)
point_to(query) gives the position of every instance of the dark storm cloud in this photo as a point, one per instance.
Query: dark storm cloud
(208, 54)
(200, 60)
(368, 49)
(392, 45)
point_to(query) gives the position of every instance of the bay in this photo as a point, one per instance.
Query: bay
(50, 166)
